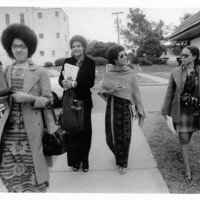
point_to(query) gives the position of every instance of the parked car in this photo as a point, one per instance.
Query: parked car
(57, 91)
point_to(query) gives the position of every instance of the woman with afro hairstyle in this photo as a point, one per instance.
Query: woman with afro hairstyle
(23, 167)
(79, 147)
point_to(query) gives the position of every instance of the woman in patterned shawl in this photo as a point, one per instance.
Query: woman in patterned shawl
(120, 90)
(23, 167)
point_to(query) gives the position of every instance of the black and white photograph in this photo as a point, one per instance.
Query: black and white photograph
(100, 97)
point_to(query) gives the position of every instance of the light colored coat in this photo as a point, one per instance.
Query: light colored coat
(171, 105)
(37, 83)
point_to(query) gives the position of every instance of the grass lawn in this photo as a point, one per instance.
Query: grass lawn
(140, 80)
(164, 146)
(156, 68)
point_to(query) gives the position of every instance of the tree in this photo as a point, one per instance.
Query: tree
(146, 35)
(98, 49)
(185, 16)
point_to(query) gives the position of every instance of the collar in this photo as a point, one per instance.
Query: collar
(183, 67)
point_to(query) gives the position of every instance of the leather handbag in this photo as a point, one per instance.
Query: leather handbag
(73, 112)
(53, 143)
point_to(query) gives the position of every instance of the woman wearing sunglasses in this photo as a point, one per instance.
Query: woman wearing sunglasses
(120, 90)
(182, 101)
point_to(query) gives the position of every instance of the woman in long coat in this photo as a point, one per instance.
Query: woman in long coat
(24, 168)
(182, 101)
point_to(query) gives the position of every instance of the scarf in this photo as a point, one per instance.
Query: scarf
(127, 77)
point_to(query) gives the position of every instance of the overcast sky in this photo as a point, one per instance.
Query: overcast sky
(98, 23)
(94, 20)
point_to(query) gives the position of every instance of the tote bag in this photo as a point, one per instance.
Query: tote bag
(73, 112)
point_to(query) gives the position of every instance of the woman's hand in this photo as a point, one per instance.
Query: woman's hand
(21, 97)
(67, 84)
(117, 88)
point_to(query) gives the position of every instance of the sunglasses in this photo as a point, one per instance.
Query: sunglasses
(185, 55)
(122, 55)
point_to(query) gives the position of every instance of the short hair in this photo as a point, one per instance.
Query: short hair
(195, 52)
(79, 38)
(22, 32)
(112, 53)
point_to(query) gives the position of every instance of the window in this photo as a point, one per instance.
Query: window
(64, 18)
(41, 53)
(53, 53)
(41, 35)
(39, 14)
(57, 14)
(22, 21)
(58, 35)
(7, 19)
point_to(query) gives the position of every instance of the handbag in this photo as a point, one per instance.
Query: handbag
(73, 112)
(55, 143)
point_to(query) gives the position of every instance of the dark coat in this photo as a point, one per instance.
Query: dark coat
(171, 105)
(85, 79)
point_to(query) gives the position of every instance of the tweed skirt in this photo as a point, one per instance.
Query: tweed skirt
(189, 122)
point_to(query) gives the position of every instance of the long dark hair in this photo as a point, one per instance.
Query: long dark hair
(195, 52)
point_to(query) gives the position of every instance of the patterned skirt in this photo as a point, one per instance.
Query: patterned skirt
(17, 168)
(189, 121)
(119, 117)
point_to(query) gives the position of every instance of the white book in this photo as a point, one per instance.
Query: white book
(70, 71)
(170, 124)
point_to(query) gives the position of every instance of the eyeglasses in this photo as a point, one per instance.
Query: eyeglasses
(122, 55)
(185, 55)
(21, 46)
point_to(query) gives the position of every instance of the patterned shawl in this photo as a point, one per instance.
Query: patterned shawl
(127, 77)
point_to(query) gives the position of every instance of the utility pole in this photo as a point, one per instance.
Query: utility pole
(117, 13)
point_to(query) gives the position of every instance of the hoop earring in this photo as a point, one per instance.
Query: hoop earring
(30, 61)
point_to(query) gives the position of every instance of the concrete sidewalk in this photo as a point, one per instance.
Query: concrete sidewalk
(158, 80)
(142, 175)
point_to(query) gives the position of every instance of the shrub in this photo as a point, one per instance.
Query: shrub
(48, 64)
(143, 61)
(59, 62)
(99, 61)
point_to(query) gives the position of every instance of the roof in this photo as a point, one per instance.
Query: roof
(189, 29)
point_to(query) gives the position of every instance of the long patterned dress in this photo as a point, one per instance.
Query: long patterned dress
(17, 168)
(119, 117)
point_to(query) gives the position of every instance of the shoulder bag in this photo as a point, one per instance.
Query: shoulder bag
(73, 112)
(55, 143)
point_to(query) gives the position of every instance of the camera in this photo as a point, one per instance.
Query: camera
(188, 100)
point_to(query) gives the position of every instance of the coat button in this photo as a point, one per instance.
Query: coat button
(39, 124)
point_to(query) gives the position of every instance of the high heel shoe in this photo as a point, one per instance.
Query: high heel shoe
(85, 167)
(76, 168)
(188, 178)
(120, 169)
(124, 170)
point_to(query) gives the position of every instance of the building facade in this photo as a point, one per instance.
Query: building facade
(51, 26)
(188, 33)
